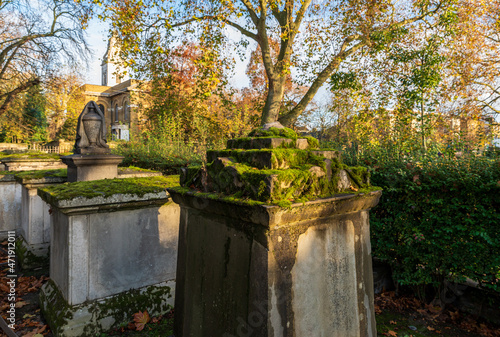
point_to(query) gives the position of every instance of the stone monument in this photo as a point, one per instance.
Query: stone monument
(274, 241)
(92, 158)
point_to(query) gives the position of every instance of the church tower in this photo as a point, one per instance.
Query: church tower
(111, 70)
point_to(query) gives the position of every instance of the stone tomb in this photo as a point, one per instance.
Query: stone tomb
(248, 267)
(33, 225)
(111, 256)
(32, 248)
(10, 204)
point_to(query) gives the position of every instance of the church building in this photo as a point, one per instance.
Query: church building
(118, 96)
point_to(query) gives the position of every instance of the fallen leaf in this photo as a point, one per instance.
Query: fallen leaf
(27, 316)
(430, 328)
(393, 322)
(140, 320)
(391, 333)
(20, 304)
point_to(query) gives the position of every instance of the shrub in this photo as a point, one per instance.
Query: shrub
(160, 155)
(438, 219)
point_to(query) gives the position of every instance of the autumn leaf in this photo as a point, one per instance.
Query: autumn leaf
(430, 328)
(20, 304)
(140, 320)
(393, 322)
(391, 333)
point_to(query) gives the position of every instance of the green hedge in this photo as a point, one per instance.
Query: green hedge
(438, 219)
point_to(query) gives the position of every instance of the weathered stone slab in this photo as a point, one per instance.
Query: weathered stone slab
(298, 271)
(28, 164)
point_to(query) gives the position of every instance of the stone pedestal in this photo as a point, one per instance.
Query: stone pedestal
(34, 232)
(83, 167)
(278, 242)
(262, 270)
(110, 258)
(10, 204)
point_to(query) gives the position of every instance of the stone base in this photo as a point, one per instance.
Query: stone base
(85, 167)
(30, 256)
(257, 270)
(94, 317)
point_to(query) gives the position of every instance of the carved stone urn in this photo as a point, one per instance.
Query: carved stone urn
(92, 126)
(92, 158)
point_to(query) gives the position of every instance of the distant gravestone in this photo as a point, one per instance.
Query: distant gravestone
(92, 158)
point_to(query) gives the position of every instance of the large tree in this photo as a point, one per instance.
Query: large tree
(315, 37)
(34, 37)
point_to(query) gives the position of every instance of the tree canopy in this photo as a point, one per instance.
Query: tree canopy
(35, 36)
(314, 37)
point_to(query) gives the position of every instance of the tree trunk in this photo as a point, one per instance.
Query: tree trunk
(274, 99)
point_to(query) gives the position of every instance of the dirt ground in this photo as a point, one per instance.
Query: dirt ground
(403, 316)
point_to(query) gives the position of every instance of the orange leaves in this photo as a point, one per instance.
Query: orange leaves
(140, 320)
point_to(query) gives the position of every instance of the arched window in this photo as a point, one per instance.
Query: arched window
(116, 112)
(126, 115)
(101, 107)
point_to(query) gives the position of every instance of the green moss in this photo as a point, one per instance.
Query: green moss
(29, 155)
(108, 187)
(29, 175)
(360, 175)
(54, 307)
(217, 196)
(27, 259)
(59, 314)
(3, 173)
(274, 133)
(313, 142)
(134, 168)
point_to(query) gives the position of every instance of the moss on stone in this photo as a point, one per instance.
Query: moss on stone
(39, 174)
(218, 196)
(134, 168)
(4, 173)
(251, 170)
(274, 133)
(59, 314)
(108, 187)
(29, 155)
(313, 142)
(270, 158)
(54, 307)
(27, 259)
(360, 175)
